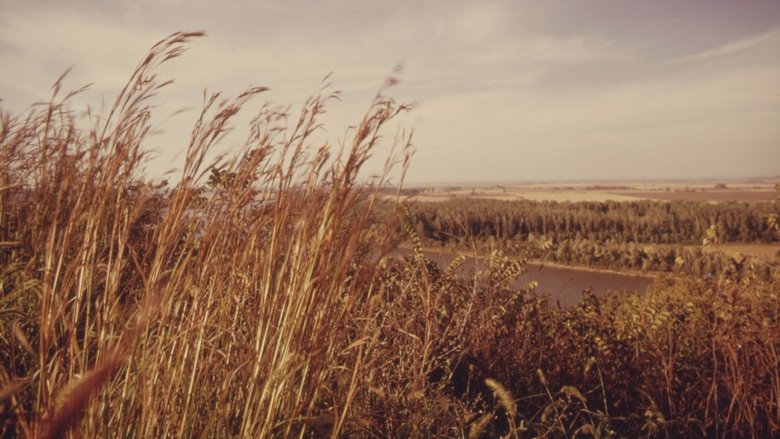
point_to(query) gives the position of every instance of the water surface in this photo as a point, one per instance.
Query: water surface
(563, 285)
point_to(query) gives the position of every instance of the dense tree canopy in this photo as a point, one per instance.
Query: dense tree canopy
(642, 235)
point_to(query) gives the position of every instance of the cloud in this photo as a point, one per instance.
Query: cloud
(585, 88)
(718, 125)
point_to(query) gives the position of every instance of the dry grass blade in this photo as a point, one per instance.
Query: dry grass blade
(11, 388)
(504, 396)
(76, 398)
(477, 428)
(22, 339)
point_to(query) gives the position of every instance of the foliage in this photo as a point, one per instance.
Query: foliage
(646, 221)
(641, 235)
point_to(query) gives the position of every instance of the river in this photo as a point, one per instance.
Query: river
(563, 285)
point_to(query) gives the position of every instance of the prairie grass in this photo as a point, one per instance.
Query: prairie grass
(153, 303)
(252, 299)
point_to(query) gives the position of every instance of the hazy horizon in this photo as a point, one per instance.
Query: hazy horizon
(503, 90)
(765, 179)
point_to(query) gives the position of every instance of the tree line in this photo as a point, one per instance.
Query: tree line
(637, 236)
(650, 222)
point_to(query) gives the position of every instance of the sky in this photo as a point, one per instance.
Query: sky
(502, 90)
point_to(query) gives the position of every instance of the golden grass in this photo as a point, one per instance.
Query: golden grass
(161, 300)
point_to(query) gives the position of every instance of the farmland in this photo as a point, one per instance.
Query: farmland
(260, 296)
(713, 191)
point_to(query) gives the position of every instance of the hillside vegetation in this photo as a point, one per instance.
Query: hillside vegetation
(251, 299)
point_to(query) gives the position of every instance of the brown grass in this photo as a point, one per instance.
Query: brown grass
(247, 284)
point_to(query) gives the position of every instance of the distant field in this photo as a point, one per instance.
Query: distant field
(705, 195)
(769, 251)
(532, 195)
(709, 191)
(575, 196)
(766, 250)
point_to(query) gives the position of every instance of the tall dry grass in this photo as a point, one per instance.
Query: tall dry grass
(134, 310)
